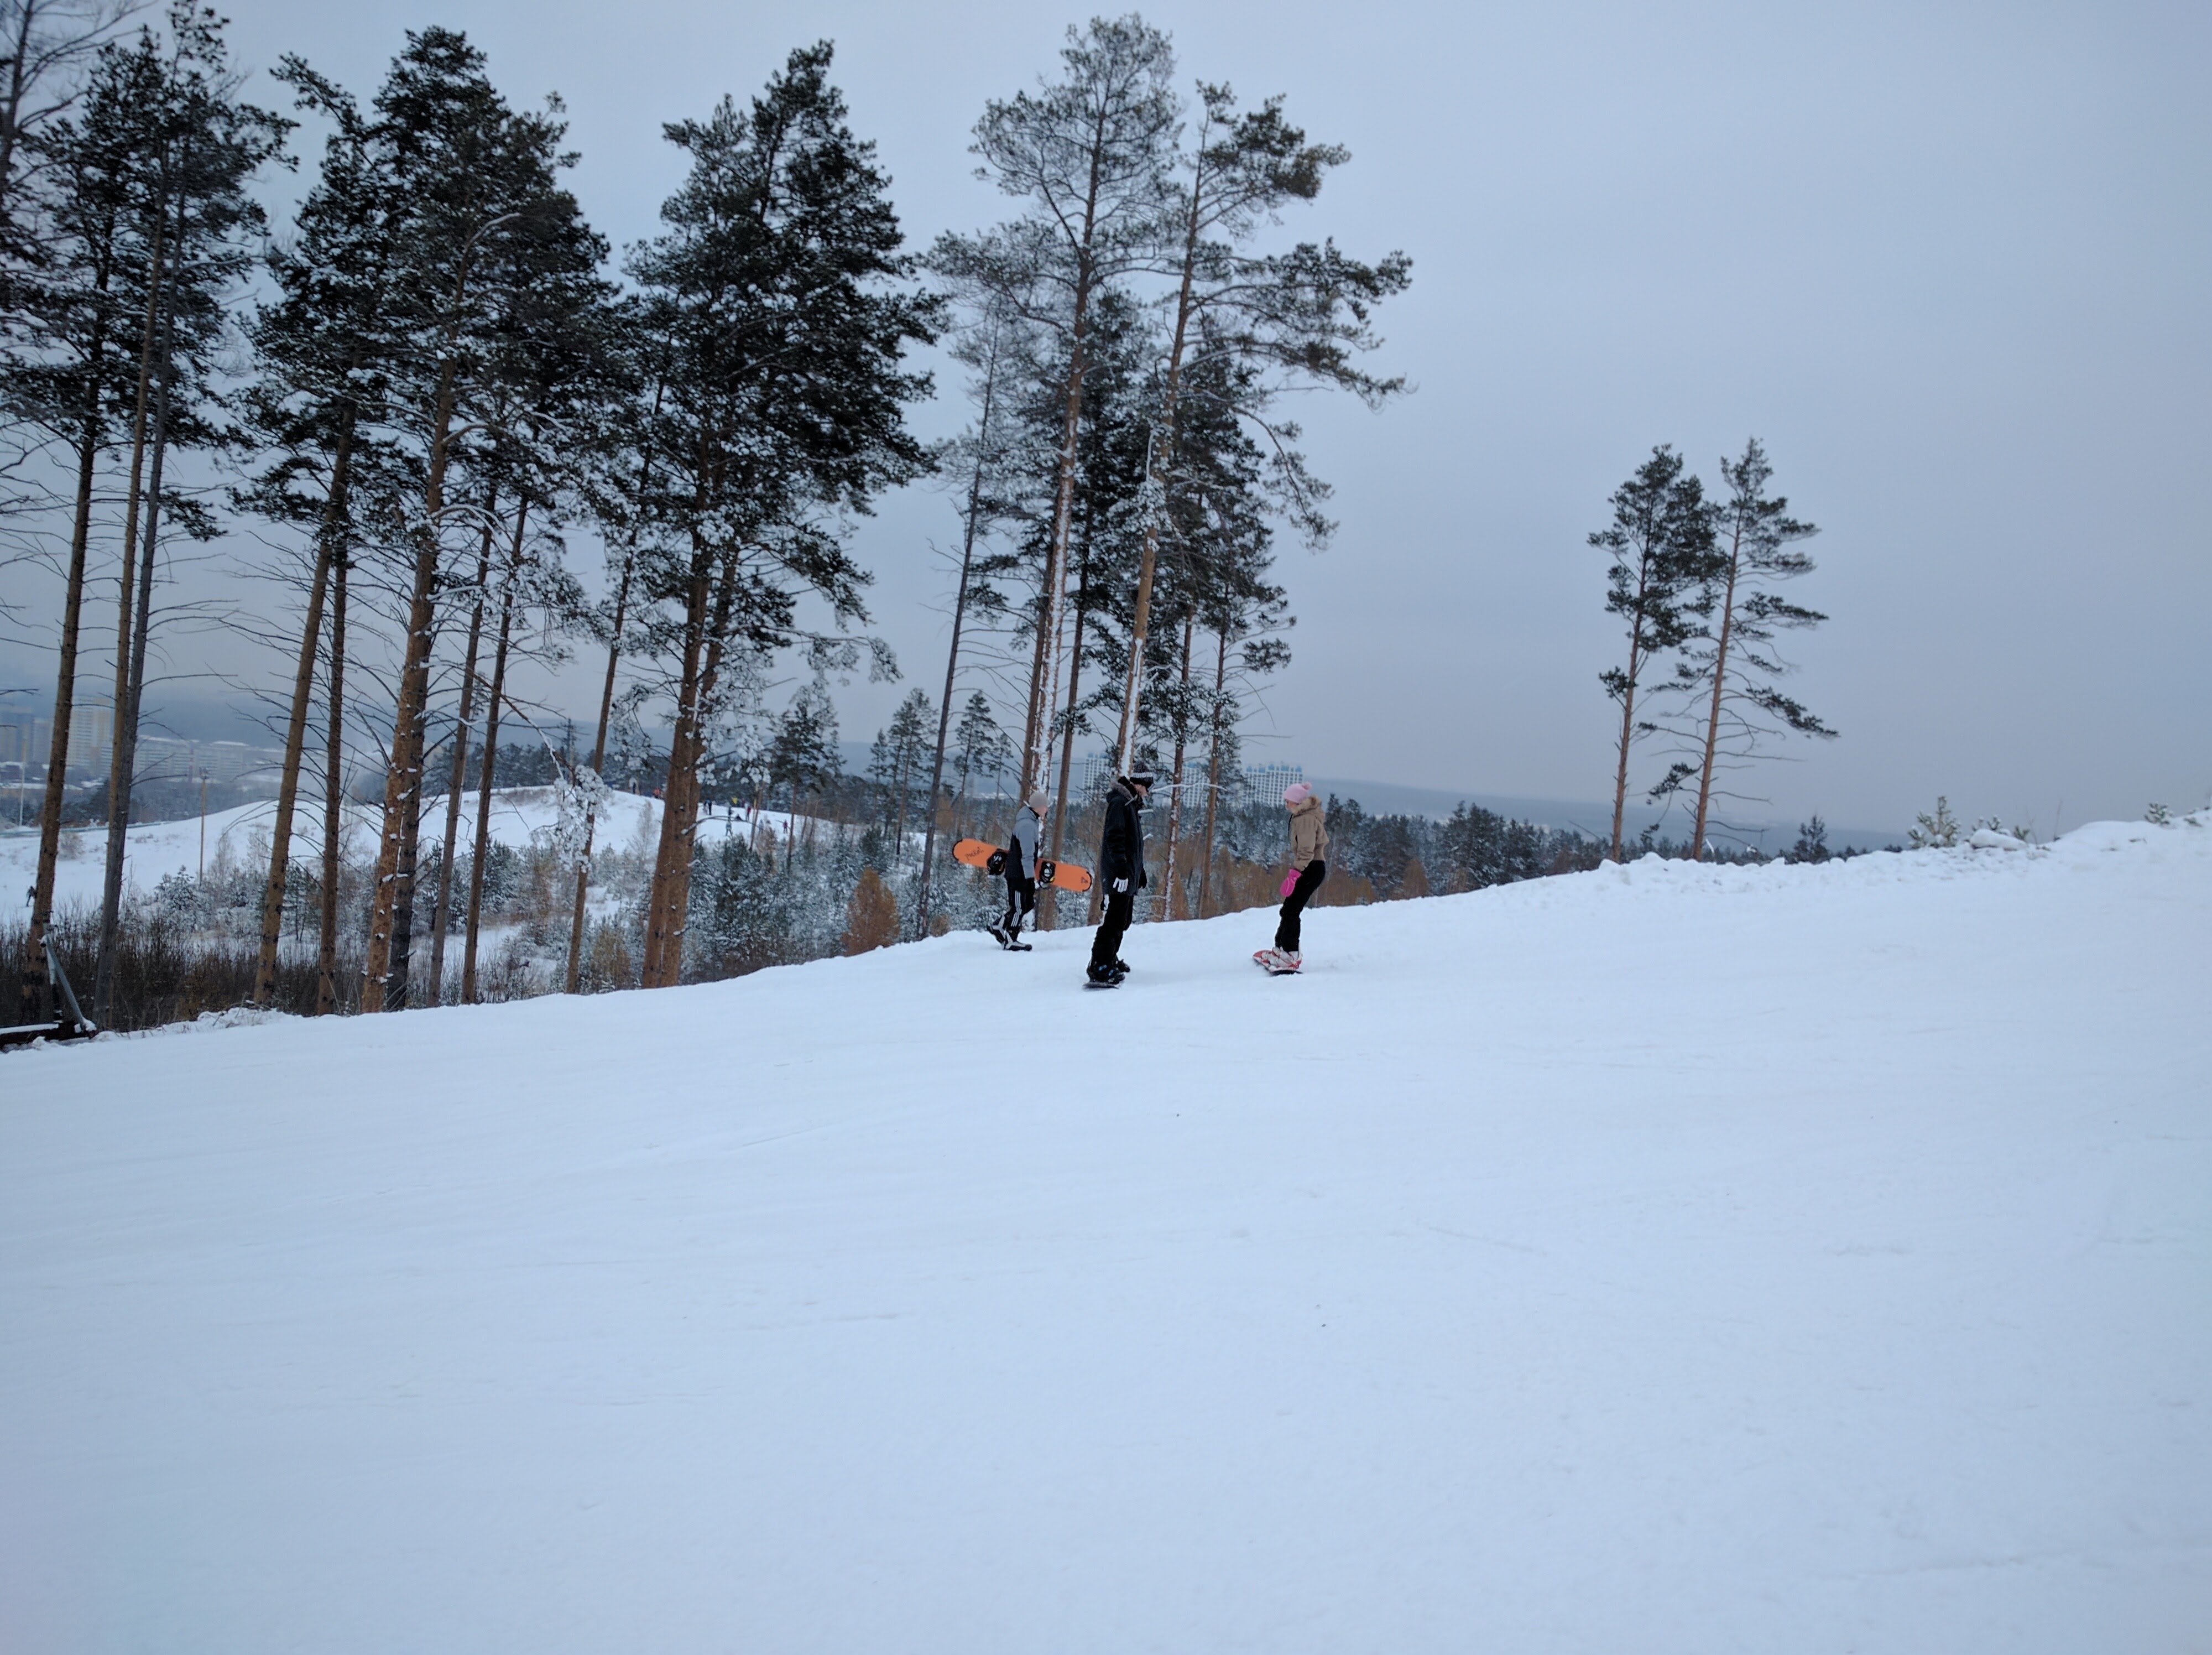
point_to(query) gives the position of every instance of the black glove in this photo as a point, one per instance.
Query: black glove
(997, 865)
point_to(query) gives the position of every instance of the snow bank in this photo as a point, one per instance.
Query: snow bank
(1664, 1259)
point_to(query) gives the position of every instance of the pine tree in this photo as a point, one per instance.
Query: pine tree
(1938, 830)
(904, 750)
(1812, 844)
(1304, 314)
(76, 282)
(324, 355)
(196, 150)
(1661, 543)
(486, 218)
(983, 749)
(778, 289)
(988, 345)
(1089, 154)
(1729, 666)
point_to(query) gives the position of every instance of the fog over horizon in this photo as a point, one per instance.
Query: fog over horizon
(1949, 265)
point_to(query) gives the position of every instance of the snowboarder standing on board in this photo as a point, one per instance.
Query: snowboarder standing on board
(1121, 865)
(1021, 871)
(1309, 849)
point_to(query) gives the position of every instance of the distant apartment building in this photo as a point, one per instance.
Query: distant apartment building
(91, 736)
(1267, 783)
(26, 739)
(168, 758)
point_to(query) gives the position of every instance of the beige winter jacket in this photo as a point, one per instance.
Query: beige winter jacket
(1309, 838)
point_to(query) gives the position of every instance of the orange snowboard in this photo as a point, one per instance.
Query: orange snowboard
(980, 853)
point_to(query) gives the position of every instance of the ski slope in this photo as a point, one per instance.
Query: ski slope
(1663, 1259)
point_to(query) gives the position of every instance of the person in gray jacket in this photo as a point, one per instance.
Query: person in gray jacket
(1021, 871)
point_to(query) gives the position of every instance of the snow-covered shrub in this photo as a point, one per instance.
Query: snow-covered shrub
(1938, 831)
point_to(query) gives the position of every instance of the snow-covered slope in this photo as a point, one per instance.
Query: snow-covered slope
(158, 849)
(1665, 1259)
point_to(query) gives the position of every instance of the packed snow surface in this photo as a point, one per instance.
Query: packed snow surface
(1664, 1259)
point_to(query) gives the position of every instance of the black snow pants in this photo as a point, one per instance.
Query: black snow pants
(1286, 932)
(1021, 897)
(1106, 946)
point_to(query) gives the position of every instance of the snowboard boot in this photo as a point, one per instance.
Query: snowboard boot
(1100, 976)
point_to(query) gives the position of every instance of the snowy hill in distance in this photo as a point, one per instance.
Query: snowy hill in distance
(1662, 1259)
(1587, 815)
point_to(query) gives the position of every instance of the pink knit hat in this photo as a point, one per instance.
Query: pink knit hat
(1297, 793)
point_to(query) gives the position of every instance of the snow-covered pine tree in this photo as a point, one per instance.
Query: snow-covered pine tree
(989, 342)
(780, 291)
(1936, 830)
(483, 216)
(983, 750)
(323, 354)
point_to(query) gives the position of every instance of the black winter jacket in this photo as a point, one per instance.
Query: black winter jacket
(1122, 849)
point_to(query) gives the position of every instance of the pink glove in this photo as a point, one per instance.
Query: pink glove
(1289, 884)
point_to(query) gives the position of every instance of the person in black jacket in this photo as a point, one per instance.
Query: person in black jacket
(1122, 870)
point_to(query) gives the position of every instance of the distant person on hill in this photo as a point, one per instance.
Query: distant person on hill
(1309, 850)
(1121, 868)
(1021, 871)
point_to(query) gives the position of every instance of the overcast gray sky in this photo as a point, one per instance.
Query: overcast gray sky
(1950, 263)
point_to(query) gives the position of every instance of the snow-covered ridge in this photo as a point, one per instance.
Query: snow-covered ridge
(1668, 1258)
(520, 818)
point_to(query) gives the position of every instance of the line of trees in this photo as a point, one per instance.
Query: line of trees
(1699, 584)
(1130, 342)
(411, 398)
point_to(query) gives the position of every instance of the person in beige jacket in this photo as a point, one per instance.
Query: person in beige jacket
(1308, 867)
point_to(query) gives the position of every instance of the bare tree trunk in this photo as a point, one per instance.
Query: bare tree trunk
(441, 914)
(661, 922)
(1175, 791)
(672, 898)
(1213, 774)
(399, 986)
(131, 682)
(952, 655)
(1720, 679)
(1628, 734)
(326, 976)
(403, 778)
(491, 758)
(1158, 459)
(599, 762)
(1044, 679)
(34, 986)
(296, 730)
(1048, 898)
(11, 110)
